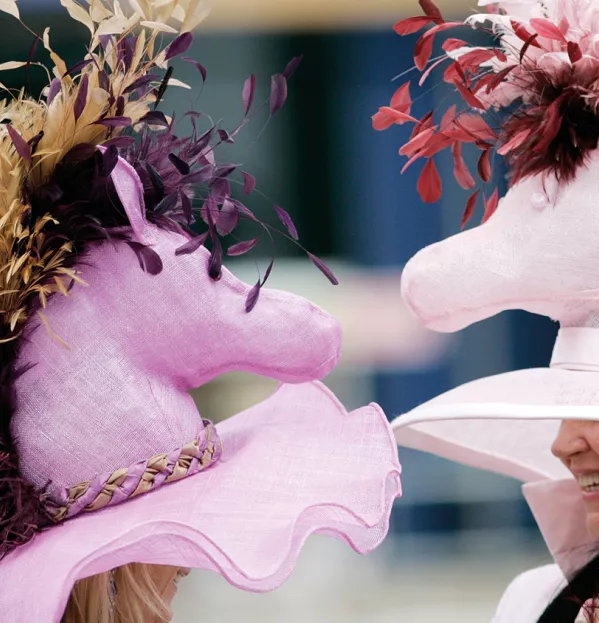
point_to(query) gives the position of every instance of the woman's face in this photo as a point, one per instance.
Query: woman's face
(577, 447)
(167, 579)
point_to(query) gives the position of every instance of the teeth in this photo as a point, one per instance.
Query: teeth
(589, 482)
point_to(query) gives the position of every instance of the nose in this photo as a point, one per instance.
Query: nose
(570, 441)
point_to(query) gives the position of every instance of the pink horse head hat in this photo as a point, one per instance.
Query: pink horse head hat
(112, 309)
(535, 250)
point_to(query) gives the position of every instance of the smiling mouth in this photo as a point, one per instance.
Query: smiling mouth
(589, 483)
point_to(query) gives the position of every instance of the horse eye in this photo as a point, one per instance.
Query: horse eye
(539, 201)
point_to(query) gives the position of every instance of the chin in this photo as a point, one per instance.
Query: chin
(593, 525)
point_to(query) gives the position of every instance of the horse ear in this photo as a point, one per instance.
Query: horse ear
(130, 191)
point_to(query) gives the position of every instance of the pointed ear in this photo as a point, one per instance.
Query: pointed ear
(130, 191)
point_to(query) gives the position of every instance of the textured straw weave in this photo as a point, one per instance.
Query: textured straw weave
(144, 476)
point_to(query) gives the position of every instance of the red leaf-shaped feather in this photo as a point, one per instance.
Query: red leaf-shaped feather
(514, 142)
(431, 67)
(472, 60)
(491, 205)
(499, 77)
(386, 117)
(429, 183)
(574, 52)
(460, 170)
(424, 124)
(547, 29)
(448, 118)
(551, 126)
(437, 143)
(522, 33)
(417, 143)
(484, 166)
(423, 50)
(469, 211)
(401, 100)
(476, 126)
(453, 44)
(468, 96)
(431, 10)
(411, 25)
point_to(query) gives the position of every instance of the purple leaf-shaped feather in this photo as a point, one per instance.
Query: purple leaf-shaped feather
(114, 122)
(122, 142)
(227, 218)
(54, 90)
(252, 297)
(287, 221)
(249, 183)
(202, 142)
(34, 141)
(180, 45)
(197, 177)
(187, 207)
(225, 137)
(192, 245)
(148, 259)
(109, 160)
(242, 247)
(200, 67)
(166, 205)
(244, 210)
(81, 99)
(21, 145)
(120, 106)
(224, 171)
(209, 211)
(221, 190)
(163, 86)
(268, 271)
(155, 117)
(278, 93)
(322, 267)
(103, 81)
(215, 264)
(78, 66)
(249, 90)
(140, 83)
(292, 66)
(105, 41)
(179, 164)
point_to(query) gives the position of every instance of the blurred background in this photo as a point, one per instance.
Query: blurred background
(458, 536)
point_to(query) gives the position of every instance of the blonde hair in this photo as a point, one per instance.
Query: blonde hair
(133, 593)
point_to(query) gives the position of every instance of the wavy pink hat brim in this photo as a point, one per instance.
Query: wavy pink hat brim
(293, 465)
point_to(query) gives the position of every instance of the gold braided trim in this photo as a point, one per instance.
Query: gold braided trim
(128, 483)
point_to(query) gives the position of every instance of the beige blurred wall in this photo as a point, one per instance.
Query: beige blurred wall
(319, 14)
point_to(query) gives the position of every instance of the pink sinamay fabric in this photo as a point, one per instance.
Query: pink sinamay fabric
(116, 394)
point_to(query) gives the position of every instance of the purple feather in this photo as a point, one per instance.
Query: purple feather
(192, 245)
(227, 218)
(215, 264)
(287, 221)
(323, 268)
(221, 190)
(81, 99)
(200, 67)
(180, 45)
(140, 83)
(242, 247)
(148, 259)
(249, 183)
(292, 66)
(249, 90)
(244, 210)
(179, 164)
(278, 93)
(166, 205)
(23, 148)
(54, 90)
(122, 142)
(155, 117)
(103, 81)
(225, 137)
(252, 297)
(197, 177)
(224, 171)
(187, 207)
(109, 160)
(34, 140)
(78, 66)
(114, 122)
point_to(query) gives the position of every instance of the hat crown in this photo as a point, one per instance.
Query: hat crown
(538, 252)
